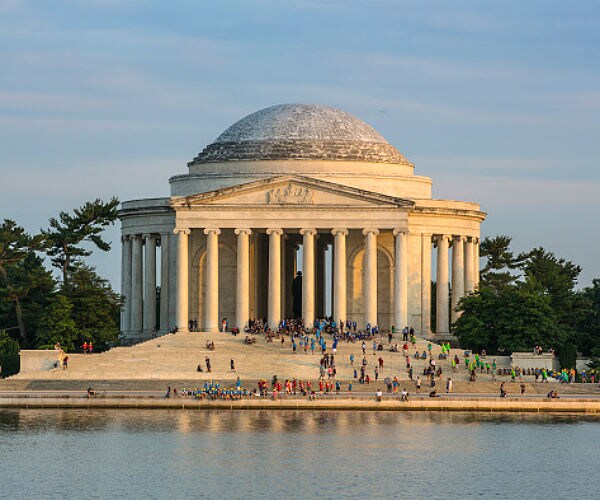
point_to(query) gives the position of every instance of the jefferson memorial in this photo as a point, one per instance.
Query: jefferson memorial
(297, 189)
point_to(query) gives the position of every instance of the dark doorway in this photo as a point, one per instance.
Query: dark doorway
(297, 295)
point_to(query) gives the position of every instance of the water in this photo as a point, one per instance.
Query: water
(98, 454)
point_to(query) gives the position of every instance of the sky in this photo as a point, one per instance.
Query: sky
(498, 102)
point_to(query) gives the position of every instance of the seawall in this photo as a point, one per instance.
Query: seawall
(531, 405)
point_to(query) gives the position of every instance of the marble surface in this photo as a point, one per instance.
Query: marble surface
(300, 132)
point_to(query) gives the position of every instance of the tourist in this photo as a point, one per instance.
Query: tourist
(168, 394)
(65, 363)
(449, 385)
(522, 386)
(378, 395)
(199, 368)
(503, 392)
(352, 359)
(404, 395)
(208, 366)
(232, 365)
(418, 384)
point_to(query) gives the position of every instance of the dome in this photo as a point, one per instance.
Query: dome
(300, 132)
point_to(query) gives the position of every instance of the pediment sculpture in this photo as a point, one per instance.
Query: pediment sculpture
(290, 195)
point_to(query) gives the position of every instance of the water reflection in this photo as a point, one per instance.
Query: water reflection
(295, 454)
(258, 421)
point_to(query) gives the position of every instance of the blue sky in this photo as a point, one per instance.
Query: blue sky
(498, 102)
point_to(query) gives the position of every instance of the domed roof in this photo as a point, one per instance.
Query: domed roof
(300, 132)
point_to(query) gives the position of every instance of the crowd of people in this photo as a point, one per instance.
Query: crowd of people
(325, 335)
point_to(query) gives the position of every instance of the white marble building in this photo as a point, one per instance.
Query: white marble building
(286, 177)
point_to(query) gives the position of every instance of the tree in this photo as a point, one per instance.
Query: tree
(20, 272)
(9, 354)
(67, 233)
(587, 337)
(510, 319)
(57, 325)
(96, 306)
(499, 270)
(557, 278)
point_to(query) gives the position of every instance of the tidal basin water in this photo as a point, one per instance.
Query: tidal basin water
(88, 454)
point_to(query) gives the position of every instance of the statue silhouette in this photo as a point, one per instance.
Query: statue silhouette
(297, 295)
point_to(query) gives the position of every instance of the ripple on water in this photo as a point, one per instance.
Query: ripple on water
(251, 454)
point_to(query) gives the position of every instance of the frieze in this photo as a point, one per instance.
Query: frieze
(290, 195)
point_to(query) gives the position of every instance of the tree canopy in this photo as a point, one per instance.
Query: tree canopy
(24, 282)
(35, 308)
(67, 233)
(526, 300)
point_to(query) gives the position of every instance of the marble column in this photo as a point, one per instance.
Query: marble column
(211, 306)
(126, 283)
(476, 263)
(425, 284)
(469, 279)
(242, 300)
(308, 276)
(400, 280)
(150, 284)
(274, 291)
(339, 274)
(182, 296)
(137, 291)
(164, 282)
(458, 272)
(441, 303)
(370, 279)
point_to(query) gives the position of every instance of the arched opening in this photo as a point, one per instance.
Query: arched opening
(227, 285)
(356, 292)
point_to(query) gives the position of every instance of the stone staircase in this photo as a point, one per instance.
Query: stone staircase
(176, 356)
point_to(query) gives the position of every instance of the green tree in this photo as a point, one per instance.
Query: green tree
(96, 306)
(510, 319)
(9, 355)
(21, 276)
(587, 337)
(68, 232)
(57, 325)
(501, 265)
(556, 278)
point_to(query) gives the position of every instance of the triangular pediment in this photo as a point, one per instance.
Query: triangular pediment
(290, 191)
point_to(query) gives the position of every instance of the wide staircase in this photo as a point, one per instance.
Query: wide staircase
(175, 358)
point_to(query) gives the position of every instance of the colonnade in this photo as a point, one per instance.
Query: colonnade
(464, 272)
(138, 283)
(139, 278)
